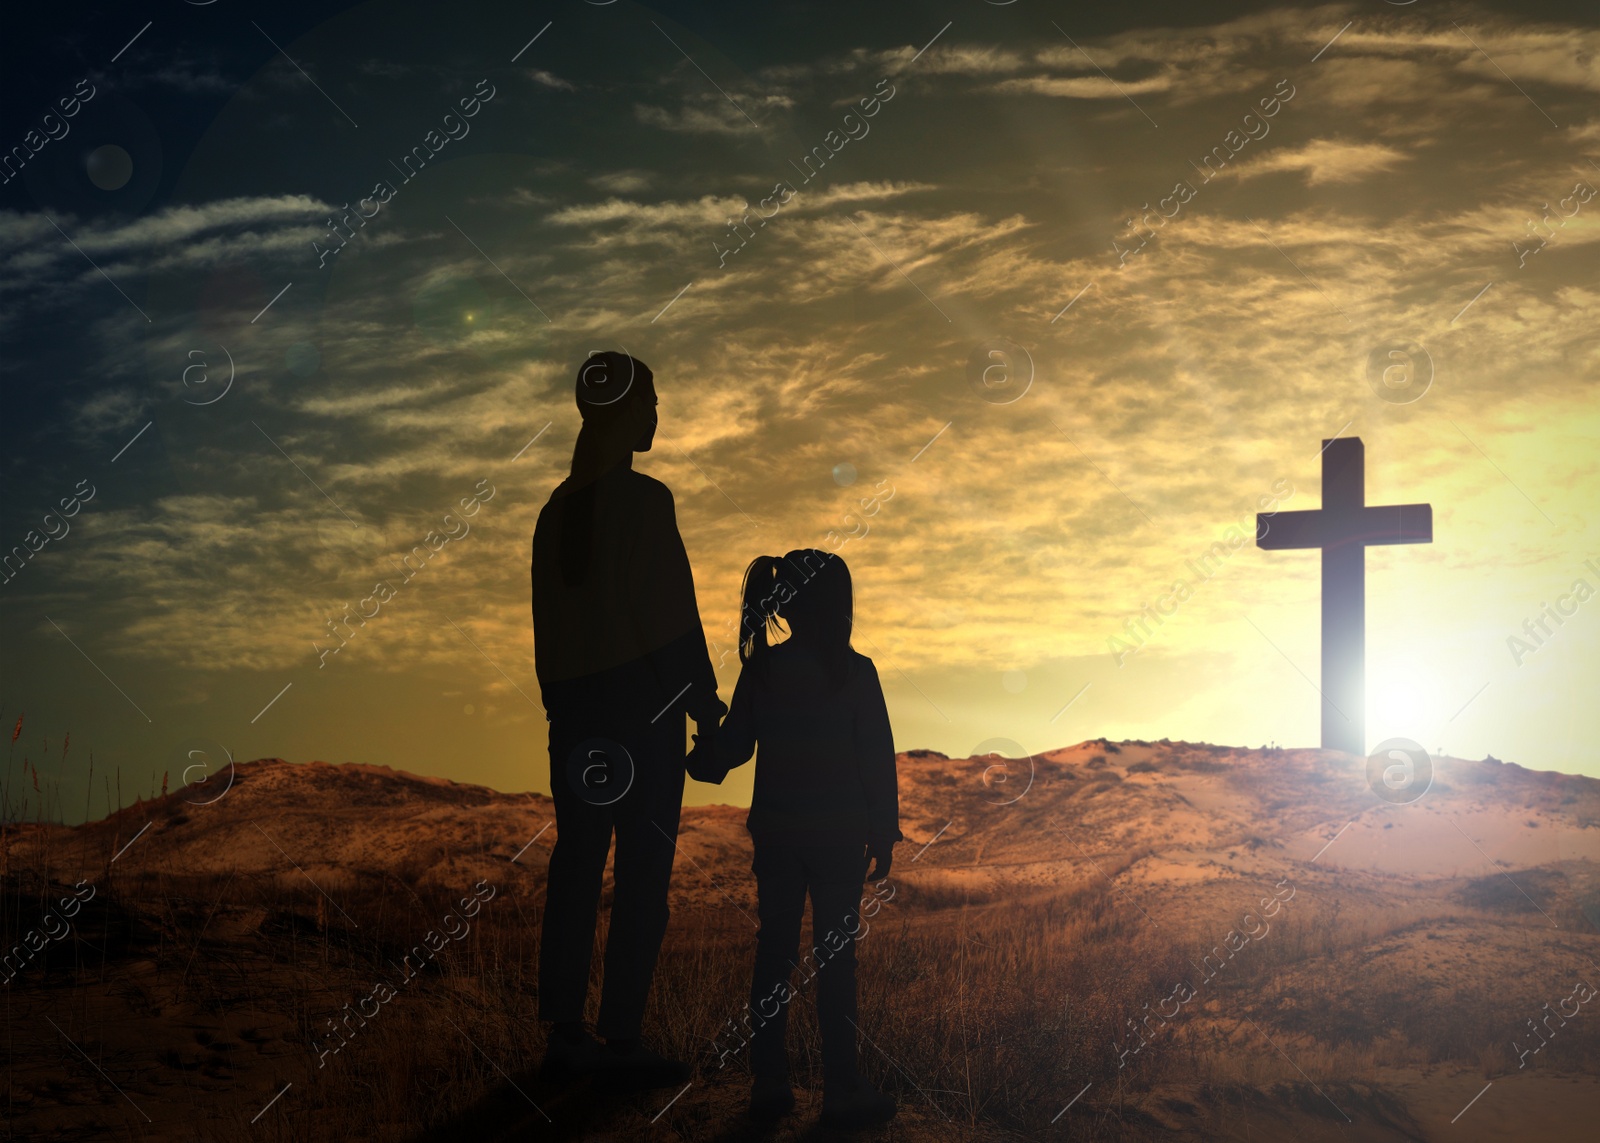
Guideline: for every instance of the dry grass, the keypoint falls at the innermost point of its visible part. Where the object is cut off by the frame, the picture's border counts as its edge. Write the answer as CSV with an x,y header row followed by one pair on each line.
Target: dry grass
x,y
981,1014
203,995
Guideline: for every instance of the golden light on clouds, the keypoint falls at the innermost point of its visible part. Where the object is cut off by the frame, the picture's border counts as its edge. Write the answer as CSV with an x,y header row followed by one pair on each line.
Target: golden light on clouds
x,y
999,549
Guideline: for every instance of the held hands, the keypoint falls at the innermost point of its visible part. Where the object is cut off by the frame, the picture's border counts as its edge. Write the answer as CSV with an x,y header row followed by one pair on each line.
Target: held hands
x,y
701,762
881,853
708,714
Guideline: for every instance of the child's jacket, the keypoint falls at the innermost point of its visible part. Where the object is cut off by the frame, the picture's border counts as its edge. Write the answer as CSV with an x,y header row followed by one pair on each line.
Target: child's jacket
x,y
826,771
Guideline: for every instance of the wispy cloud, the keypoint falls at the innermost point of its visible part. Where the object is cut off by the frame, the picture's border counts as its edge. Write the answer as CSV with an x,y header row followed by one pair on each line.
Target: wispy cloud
x,y
1174,392
1322,161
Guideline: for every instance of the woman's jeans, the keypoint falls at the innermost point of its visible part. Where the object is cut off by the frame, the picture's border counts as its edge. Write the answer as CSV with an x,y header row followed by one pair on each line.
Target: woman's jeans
x,y
640,802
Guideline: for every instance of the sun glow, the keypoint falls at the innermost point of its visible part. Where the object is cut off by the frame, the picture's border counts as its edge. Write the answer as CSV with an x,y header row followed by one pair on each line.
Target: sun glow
x,y
1405,699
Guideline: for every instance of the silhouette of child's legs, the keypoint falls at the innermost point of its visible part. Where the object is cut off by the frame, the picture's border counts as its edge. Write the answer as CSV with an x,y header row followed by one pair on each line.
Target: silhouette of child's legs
x,y
833,876
834,925
780,903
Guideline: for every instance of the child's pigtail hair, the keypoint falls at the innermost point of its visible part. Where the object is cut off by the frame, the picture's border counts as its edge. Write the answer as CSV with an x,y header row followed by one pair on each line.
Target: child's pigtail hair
x,y
759,611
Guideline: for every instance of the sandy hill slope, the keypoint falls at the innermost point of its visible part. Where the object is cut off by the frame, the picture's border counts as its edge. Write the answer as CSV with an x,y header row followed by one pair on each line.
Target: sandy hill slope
x,y
1159,813
1191,810
1393,959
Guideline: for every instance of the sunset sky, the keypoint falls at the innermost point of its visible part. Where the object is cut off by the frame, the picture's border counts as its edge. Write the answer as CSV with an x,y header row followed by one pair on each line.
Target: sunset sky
x,y
1400,185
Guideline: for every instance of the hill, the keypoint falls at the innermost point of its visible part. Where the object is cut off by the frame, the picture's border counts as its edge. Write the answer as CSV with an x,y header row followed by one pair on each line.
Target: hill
x,y
1350,960
1178,812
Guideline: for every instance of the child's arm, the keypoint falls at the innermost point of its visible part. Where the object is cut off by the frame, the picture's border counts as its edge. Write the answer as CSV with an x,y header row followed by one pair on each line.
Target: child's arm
x,y
875,743
734,741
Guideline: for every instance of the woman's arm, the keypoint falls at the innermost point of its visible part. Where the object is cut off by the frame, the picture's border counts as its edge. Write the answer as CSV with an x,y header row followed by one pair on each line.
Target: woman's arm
x,y
666,616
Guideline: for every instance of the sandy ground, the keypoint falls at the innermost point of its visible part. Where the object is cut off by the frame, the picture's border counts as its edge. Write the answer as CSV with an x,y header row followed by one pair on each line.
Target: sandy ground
x,y
181,1020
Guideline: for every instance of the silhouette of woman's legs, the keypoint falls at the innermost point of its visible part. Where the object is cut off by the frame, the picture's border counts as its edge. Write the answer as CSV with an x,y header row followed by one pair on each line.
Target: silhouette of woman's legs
x,y
647,834
781,902
577,863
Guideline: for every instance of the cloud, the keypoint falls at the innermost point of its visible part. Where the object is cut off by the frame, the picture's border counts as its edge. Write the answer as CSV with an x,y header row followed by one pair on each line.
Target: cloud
x,y
546,79
1322,161
170,227
185,74
1081,86
697,119
623,182
111,410
51,265
858,192
1548,54
707,208
1174,391
970,60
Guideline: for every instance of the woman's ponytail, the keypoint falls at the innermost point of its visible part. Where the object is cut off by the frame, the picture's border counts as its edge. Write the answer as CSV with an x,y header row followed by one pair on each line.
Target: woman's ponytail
x,y
616,398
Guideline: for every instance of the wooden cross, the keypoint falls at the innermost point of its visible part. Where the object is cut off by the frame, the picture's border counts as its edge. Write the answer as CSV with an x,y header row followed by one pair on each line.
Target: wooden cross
x,y
1343,528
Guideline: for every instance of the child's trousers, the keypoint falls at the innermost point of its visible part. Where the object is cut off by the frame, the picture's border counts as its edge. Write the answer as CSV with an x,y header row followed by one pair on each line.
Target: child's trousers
x,y
833,876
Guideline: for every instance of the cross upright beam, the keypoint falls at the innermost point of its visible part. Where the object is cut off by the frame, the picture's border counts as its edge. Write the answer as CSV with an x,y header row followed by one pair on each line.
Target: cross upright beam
x,y
1343,528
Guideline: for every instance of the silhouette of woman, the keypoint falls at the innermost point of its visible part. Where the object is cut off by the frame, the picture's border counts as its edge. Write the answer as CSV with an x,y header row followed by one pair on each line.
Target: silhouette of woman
x,y
825,804
621,659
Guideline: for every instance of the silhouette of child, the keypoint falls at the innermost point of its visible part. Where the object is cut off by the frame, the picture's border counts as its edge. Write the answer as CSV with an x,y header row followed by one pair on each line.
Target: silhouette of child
x,y
825,805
